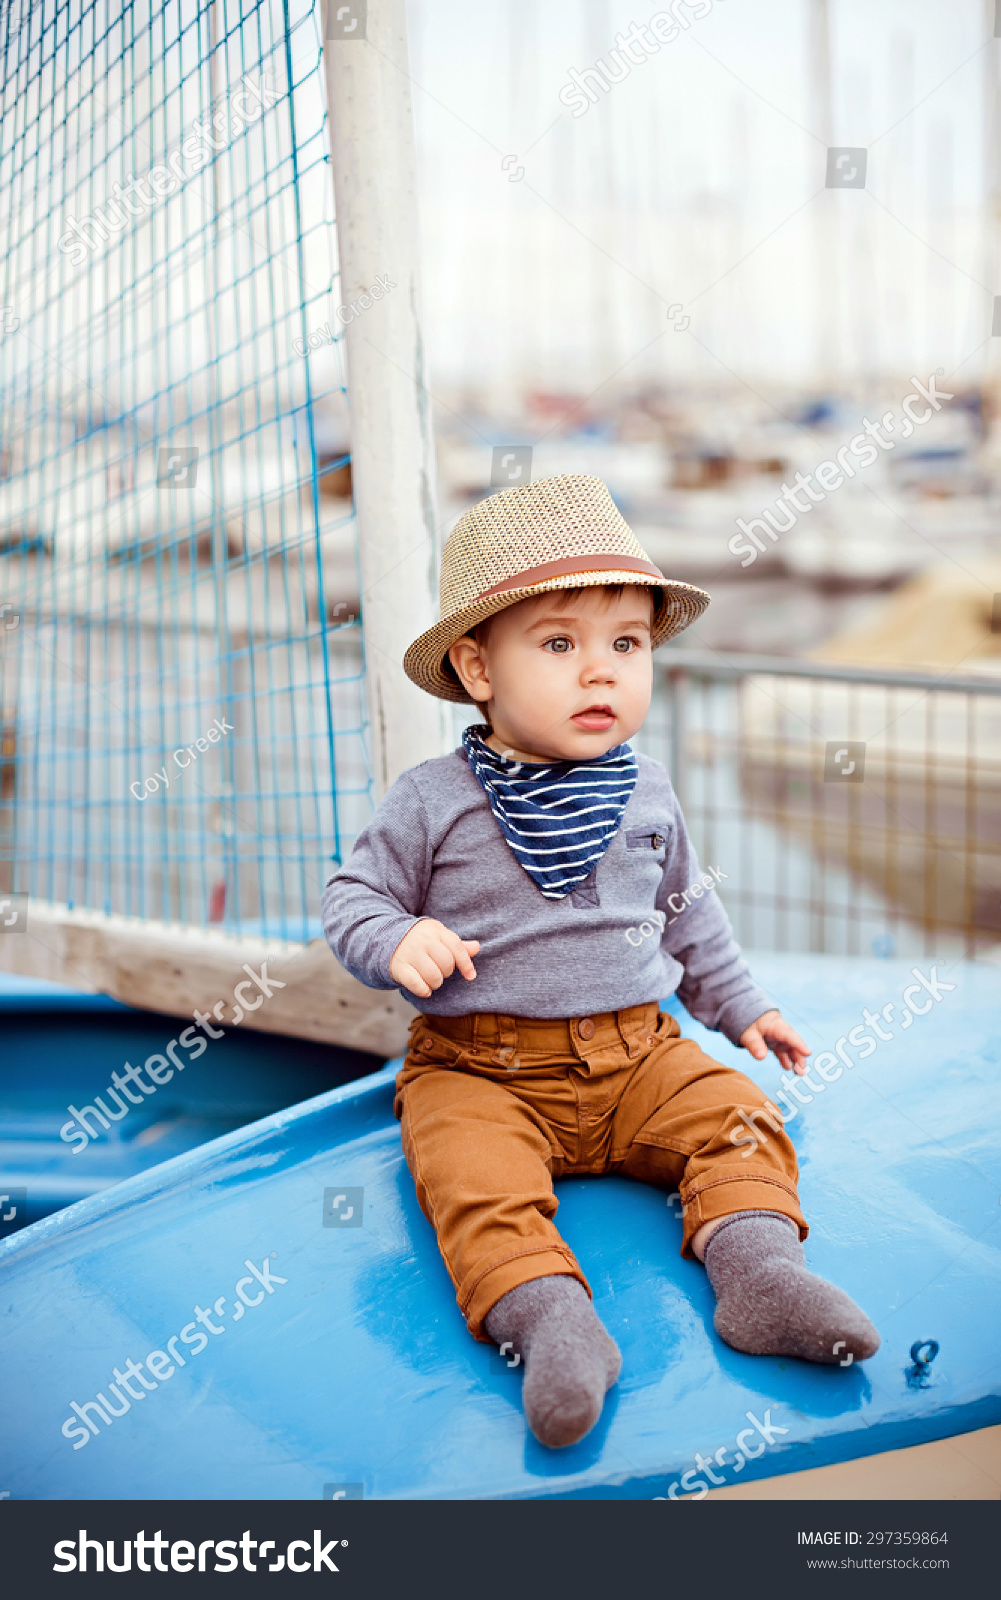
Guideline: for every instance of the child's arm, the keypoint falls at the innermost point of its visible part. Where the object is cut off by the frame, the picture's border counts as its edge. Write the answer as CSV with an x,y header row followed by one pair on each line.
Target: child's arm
x,y
717,987
371,908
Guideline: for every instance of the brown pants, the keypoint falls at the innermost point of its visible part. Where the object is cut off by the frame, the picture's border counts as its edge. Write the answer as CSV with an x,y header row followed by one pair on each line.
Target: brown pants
x,y
494,1108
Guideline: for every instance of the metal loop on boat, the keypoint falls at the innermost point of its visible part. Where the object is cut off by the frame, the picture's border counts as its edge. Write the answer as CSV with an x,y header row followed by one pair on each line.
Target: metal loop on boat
x,y
931,1345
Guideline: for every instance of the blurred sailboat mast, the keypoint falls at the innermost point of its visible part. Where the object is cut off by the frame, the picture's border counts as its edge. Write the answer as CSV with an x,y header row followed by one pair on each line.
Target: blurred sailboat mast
x,y
600,359
827,308
992,224
902,196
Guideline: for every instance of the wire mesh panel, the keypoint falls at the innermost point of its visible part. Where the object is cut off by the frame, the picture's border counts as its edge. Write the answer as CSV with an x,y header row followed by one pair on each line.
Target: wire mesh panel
x,y
182,671
846,810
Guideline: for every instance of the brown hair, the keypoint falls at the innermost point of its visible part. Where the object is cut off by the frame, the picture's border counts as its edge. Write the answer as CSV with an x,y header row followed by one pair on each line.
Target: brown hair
x,y
614,591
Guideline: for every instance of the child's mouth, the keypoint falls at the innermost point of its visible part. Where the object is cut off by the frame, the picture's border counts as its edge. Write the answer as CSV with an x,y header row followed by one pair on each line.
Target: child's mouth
x,y
597,719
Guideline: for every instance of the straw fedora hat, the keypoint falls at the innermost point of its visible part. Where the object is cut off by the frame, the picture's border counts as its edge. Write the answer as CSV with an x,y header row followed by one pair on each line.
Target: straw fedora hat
x,y
558,533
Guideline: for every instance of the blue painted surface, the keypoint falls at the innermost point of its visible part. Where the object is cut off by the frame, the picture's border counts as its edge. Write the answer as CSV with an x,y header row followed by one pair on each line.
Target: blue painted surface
x,y
60,1047
357,1369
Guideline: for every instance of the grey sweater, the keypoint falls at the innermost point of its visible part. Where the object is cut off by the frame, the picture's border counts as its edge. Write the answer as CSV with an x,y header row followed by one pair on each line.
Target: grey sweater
x,y
646,923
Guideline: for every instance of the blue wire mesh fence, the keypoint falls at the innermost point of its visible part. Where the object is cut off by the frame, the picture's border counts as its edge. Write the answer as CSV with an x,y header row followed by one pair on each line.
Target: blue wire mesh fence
x,y
181,665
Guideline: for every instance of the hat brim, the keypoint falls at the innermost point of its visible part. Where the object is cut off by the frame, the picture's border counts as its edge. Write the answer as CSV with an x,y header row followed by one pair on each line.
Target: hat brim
x,y
426,663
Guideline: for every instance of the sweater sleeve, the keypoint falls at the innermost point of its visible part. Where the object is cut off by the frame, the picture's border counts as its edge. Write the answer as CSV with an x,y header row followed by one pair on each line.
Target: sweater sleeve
x,y
717,987
378,894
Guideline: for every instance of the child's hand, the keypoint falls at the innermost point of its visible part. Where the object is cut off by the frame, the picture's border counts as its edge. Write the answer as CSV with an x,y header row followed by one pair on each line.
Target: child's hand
x,y
774,1032
429,954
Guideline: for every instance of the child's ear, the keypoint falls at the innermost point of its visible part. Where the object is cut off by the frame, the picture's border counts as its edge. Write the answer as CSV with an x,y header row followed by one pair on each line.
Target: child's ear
x,y
470,668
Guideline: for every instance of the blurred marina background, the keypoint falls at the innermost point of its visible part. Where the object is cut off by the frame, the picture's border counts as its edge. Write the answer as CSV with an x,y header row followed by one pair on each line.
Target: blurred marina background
x,y
662,289
288,285
694,192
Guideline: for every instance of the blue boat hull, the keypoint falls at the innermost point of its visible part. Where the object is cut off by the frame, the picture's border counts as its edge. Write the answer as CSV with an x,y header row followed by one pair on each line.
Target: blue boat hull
x,y
341,1366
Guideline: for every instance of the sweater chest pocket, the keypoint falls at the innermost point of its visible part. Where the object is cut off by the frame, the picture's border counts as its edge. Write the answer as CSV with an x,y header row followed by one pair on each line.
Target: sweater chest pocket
x,y
652,839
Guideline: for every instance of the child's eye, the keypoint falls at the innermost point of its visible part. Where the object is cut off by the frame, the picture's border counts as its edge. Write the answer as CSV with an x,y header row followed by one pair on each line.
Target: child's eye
x,y
559,647
625,645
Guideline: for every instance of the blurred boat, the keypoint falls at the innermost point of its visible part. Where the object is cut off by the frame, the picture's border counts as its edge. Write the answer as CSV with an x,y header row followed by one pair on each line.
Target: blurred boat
x,y
61,1046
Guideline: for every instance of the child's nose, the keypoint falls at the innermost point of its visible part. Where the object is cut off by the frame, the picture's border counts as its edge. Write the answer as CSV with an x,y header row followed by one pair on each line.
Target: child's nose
x,y
600,669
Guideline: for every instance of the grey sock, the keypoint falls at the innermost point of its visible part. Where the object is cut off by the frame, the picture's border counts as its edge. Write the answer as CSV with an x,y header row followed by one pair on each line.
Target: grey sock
x,y
570,1358
768,1303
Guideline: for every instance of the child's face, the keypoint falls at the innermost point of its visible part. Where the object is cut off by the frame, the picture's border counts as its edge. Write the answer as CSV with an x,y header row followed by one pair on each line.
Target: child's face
x,y
563,677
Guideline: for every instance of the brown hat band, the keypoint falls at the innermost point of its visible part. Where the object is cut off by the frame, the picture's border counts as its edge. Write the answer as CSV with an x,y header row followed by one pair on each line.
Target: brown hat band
x,y
566,568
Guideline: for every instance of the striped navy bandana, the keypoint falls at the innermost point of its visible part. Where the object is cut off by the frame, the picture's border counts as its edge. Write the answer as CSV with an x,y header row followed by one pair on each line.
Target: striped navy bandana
x,y
559,817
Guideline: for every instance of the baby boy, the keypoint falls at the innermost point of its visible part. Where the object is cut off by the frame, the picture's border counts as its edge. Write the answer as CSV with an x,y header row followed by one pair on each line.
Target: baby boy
x,y
502,887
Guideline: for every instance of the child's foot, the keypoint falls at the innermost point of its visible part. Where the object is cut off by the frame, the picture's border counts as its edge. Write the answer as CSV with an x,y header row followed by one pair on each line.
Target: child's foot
x,y
570,1358
769,1304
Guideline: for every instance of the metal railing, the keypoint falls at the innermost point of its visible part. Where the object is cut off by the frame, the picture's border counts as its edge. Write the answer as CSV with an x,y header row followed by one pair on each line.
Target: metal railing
x,y
853,810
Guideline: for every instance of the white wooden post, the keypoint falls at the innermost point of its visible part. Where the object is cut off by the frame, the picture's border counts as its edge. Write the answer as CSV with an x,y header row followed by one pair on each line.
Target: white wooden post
x,y
392,446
